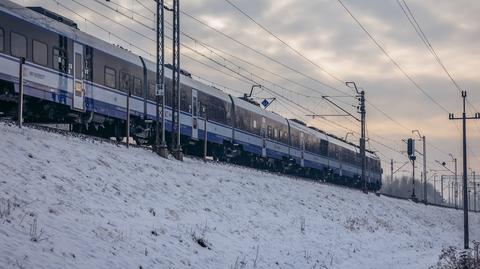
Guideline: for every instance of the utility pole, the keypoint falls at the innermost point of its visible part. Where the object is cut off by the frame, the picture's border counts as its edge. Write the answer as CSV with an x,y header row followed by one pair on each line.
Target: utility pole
x,y
361,109
474,193
441,188
176,124
449,194
465,176
360,95
424,142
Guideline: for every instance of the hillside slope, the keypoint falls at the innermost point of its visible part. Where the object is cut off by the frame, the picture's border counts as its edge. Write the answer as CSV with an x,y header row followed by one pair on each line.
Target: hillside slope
x,y
67,202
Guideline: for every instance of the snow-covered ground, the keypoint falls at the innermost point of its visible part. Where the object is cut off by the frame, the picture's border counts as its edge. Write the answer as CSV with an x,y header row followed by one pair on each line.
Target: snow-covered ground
x,y
78,203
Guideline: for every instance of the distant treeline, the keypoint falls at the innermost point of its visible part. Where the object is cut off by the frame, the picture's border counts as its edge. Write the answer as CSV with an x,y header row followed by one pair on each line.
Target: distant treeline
x,y
402,187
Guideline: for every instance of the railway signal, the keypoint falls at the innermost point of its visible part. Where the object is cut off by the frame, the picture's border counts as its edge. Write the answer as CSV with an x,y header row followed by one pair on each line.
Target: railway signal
x,y
412,157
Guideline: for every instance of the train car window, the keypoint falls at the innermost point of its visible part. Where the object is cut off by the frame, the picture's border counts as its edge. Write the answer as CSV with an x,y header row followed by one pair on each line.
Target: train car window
x,y
137,87
110,77
324,147
2,39
88,63
195,110
217,111
59,60
184,102
124,82
18,45
78,66
269,132
254,124
40,53
151,91
168,92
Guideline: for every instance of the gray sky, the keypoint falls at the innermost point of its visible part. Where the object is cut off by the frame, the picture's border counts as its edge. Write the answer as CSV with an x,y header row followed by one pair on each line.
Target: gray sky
x,y
328,36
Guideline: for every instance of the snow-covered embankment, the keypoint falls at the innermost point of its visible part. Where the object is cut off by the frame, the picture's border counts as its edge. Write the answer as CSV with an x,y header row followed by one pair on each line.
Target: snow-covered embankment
x,y
66,202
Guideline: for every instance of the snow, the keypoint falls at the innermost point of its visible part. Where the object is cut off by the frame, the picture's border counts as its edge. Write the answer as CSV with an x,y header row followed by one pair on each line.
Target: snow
x,y
99,205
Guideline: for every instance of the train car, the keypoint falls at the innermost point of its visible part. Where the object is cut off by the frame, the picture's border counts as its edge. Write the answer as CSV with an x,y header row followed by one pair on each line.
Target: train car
x,y
75,78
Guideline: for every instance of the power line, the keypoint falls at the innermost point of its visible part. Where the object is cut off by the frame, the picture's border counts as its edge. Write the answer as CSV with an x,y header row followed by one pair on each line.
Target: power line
x,y
418,29
391,59
263,54
231,70
397,65
284,43
304,57
207,47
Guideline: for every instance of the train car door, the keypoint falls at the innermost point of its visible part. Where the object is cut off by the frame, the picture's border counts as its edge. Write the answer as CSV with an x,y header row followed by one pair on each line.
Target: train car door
x,y
195,114
302,145
78,86
264,137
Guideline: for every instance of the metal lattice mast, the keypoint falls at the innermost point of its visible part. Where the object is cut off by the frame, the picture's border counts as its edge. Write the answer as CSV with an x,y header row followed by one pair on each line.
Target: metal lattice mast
x,y
160,80
176,81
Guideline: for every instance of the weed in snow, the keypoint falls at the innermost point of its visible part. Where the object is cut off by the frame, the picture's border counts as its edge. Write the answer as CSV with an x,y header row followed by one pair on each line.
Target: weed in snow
x,y
35,235
5,208
239,263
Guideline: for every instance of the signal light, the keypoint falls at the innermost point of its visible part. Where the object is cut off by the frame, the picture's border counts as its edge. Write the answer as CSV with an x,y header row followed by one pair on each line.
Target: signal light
x,y
411,147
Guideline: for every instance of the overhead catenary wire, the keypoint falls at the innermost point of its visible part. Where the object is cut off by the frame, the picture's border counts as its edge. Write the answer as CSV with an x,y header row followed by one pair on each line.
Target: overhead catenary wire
x,y
417,86
208,47
290,99
383,50
374,106
418,29
285,43
139,48
277,62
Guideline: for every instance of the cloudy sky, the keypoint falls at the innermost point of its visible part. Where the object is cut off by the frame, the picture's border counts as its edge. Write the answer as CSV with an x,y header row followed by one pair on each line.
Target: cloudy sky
x,y
323,32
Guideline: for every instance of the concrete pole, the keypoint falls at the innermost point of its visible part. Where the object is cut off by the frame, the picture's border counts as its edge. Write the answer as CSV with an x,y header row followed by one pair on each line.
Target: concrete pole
x,y
128,118
424,168
205,145
456,184
20,93
465,175
474,193
441,188
391,171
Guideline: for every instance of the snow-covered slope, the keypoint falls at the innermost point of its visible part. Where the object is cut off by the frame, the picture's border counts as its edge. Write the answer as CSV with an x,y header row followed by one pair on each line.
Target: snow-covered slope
x,y
67,202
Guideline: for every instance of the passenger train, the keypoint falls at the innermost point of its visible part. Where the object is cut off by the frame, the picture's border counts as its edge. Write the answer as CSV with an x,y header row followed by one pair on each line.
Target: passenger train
x,y
72,77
